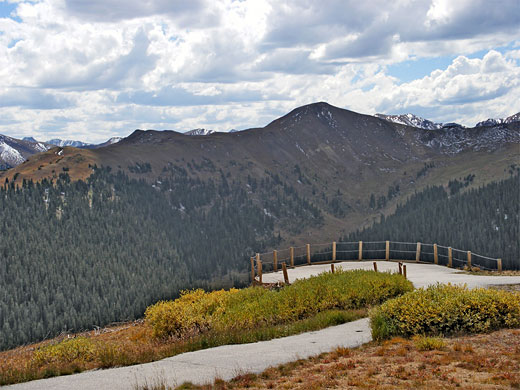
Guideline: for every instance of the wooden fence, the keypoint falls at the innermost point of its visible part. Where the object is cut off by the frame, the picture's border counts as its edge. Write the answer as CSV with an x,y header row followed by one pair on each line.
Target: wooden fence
x,y
373,250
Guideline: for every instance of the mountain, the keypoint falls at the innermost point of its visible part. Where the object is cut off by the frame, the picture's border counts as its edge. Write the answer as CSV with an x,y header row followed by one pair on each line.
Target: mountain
x,y
495,122
332,157
411,120
83,145
200,132
68,142
15,151
125,225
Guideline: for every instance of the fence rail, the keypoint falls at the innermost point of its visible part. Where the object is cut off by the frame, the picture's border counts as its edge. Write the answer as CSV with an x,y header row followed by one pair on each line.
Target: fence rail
x,y
369,250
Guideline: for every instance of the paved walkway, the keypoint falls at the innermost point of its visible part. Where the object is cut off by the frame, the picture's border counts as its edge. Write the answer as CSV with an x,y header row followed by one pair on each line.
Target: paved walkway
x,y
421,275
228,361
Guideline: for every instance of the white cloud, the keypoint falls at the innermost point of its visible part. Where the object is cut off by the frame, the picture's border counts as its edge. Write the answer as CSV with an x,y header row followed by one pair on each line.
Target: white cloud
x,y
86,69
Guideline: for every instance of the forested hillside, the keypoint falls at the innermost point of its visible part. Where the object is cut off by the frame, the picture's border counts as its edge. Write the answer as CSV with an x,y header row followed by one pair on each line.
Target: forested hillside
x,y
79,254
485,220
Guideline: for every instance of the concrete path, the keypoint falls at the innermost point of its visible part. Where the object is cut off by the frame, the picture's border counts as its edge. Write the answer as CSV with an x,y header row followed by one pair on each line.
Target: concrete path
x,y
204,366
229,361
421,275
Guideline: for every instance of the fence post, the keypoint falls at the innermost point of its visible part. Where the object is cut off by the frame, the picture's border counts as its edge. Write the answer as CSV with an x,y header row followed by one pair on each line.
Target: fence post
x,y
292,256
400,268
499,265
418,252
469,259
308,253
360,250
334,251
450,258
332,268
404,271
252,269
387,251
375,266
275,260
285,275
435,254
259,267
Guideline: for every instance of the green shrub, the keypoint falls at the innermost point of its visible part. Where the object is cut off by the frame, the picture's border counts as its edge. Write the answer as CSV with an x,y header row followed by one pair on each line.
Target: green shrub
x,y
198,311
444,310
425,343
79,348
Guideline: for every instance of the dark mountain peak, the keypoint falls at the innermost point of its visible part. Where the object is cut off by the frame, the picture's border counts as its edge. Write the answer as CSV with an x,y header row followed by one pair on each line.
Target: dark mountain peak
x,y
315,109
315,114
148,136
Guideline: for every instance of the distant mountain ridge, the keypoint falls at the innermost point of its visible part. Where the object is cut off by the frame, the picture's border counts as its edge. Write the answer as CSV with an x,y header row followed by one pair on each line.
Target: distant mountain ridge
x,y
411,120
82,145
421,123
200,132
14,152
308,128
499,121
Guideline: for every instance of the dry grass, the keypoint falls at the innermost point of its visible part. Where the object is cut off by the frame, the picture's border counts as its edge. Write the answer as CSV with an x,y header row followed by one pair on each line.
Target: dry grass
x,y
488,361
478,271
506,287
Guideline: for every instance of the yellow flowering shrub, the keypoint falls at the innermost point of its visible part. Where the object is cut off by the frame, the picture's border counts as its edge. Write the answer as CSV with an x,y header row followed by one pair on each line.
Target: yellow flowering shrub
x,y
76,349
191,312
444,310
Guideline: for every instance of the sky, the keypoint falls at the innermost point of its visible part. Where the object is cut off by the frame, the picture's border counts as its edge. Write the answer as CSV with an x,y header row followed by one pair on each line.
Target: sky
x,y
91,69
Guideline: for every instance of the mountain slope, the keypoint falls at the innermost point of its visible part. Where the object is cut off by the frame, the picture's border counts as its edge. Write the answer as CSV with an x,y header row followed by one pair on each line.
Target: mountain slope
x,y
332,157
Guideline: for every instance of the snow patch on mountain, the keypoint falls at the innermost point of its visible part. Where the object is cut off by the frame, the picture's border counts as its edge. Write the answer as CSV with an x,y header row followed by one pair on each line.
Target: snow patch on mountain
x,y
114,140
62,143
499,121
10,155
199,132
453,140
411,120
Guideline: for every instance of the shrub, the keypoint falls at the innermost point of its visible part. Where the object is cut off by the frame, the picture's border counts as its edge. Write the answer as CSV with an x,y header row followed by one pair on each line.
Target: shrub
x,y
198,311
444,310
191,312
425,343
76,349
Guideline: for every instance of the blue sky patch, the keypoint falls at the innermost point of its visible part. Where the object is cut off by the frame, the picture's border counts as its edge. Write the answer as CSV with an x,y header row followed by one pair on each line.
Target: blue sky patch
x,y
410,70
6,9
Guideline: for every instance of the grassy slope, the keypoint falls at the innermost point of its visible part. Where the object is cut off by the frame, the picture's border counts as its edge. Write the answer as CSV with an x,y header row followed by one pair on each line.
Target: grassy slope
x,y
487,361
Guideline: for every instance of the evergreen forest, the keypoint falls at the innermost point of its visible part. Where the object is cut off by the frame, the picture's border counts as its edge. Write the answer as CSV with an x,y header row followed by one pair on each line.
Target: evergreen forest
x,y
76,255
485,220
